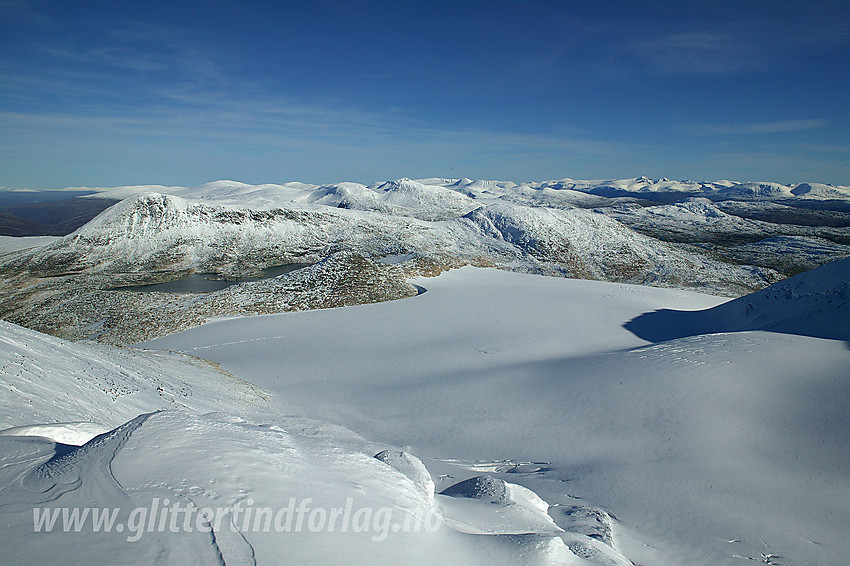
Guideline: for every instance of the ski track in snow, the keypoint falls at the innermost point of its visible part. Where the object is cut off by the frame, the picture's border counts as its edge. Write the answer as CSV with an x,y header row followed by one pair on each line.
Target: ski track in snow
x,y
63,470
235,342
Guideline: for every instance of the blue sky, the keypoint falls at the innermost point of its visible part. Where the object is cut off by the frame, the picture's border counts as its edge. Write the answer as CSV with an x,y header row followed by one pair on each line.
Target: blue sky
x,y
108,93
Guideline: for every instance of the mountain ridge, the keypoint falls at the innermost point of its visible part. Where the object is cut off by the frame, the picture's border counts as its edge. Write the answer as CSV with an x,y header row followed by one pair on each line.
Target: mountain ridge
x,y
558,228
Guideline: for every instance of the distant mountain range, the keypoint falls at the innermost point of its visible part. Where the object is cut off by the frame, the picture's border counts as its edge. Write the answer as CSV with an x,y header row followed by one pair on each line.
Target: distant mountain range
x,y
58,213
722,238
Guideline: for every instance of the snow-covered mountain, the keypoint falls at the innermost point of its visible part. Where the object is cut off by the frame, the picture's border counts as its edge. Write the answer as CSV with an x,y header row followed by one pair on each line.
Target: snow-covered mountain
x,y
478,188
156,231
691,236
819,190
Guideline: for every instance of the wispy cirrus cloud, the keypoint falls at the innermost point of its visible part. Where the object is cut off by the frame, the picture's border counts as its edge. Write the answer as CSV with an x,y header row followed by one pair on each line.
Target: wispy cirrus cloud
x,y
744,128
742,39
127,56
22,10
700,53
122,57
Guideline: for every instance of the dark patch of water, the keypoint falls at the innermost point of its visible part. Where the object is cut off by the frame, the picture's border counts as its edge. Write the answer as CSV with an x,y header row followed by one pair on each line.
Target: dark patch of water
x,y
208,282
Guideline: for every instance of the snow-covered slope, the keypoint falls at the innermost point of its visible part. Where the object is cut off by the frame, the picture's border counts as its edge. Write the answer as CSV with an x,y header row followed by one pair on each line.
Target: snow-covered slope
x,y
182,463
592,246
10,244
50,380
708,449
814,303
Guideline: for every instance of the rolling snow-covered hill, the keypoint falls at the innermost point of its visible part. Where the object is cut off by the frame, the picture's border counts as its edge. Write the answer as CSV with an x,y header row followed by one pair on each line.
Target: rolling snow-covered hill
x,y
814,303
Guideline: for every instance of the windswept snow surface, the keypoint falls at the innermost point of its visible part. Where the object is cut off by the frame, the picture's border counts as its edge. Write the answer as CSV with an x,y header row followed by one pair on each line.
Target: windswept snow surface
x,y
51,386
708,449
146,440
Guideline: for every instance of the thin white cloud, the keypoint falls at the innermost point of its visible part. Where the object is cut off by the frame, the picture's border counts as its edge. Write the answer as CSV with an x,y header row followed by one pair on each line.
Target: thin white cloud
x,y
22,10
112,56
776,127
823,148
144,48
700,53
744,40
